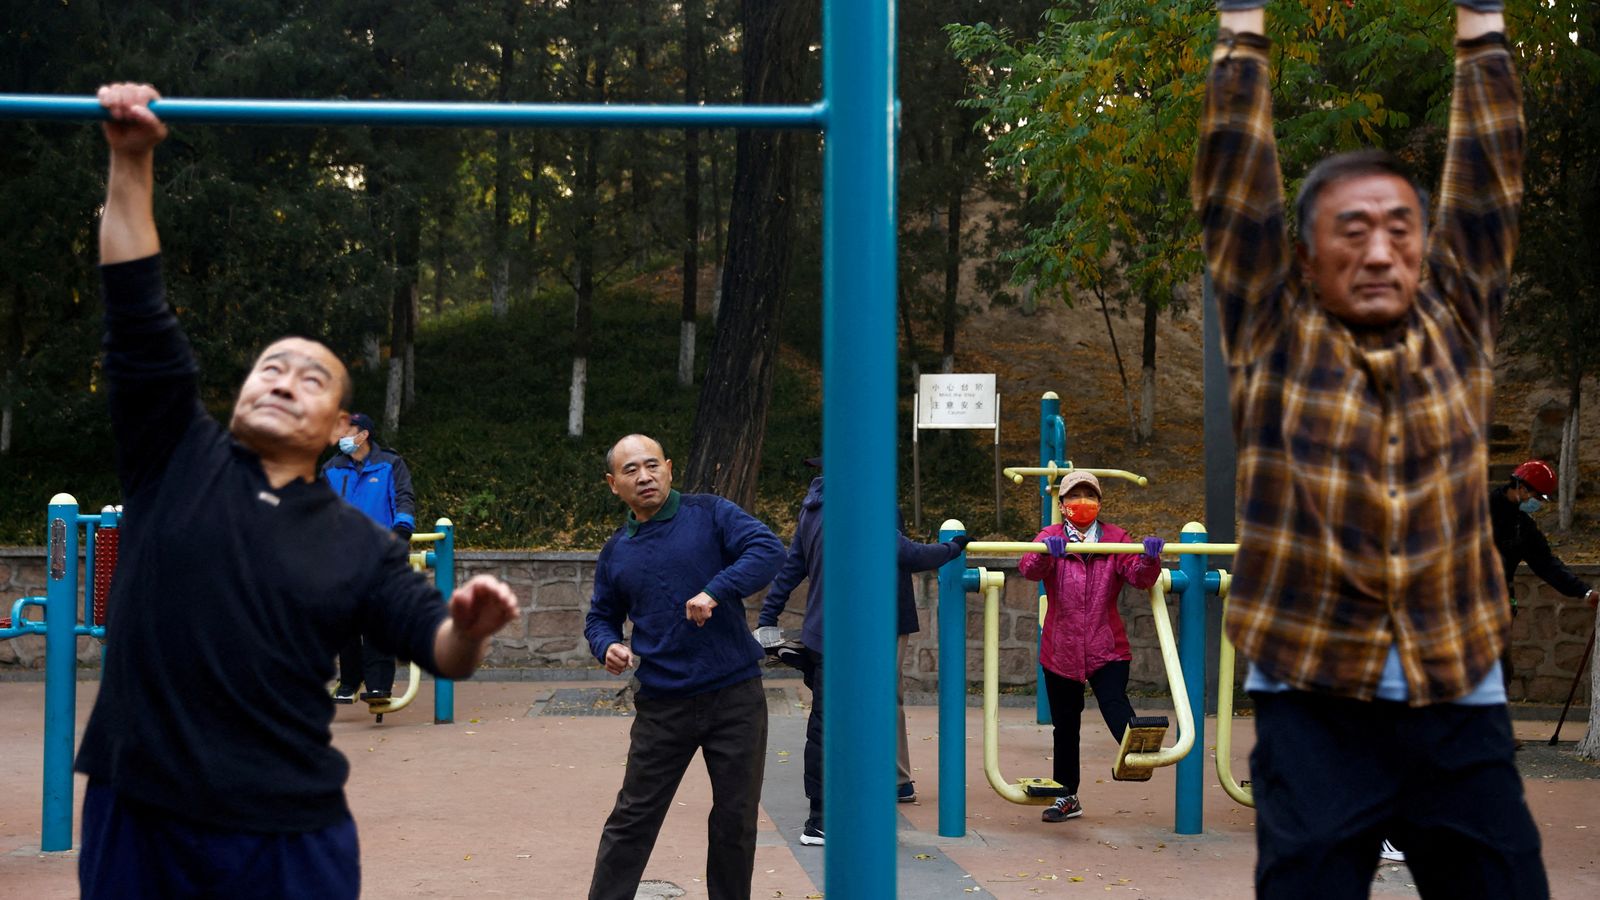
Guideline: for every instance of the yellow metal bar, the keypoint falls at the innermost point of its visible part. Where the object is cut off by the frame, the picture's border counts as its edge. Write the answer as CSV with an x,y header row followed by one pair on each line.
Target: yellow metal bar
x,y
427,537
991,583
395,704
1166,756
1053,472
1230,786
1001,548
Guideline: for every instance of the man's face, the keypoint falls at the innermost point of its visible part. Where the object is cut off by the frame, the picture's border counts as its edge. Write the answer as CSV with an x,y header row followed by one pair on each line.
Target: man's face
x,y
1366,256
291,400
640,475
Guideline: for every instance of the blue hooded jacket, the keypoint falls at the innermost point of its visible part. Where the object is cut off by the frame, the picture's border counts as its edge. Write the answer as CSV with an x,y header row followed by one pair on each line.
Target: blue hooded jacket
x,y
380,486
805,562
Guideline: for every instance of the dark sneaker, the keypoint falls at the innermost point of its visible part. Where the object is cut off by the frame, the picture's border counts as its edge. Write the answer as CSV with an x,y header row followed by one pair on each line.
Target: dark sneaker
x,y
1063,809
908,792
811,836
374,696
344,695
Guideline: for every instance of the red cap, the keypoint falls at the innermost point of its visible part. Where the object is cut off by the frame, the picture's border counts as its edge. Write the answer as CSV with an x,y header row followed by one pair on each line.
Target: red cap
x,y
1538,476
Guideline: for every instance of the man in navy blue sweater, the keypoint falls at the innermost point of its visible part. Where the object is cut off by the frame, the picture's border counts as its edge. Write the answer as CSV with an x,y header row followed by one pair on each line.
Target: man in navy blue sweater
x,y
680,569
805,562
209,754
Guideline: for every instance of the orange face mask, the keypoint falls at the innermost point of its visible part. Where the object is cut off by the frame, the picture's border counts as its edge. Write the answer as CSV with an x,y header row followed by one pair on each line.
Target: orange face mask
x,y
1082,511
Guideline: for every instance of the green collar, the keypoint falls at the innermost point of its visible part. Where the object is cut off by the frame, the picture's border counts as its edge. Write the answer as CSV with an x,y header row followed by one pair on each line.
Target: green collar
x,y
667,511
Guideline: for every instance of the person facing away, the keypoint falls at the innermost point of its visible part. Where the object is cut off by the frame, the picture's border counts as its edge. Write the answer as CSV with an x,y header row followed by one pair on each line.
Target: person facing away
x,y
805,562
1518,540
679,569
376,481
1083,640
1366,594
209,754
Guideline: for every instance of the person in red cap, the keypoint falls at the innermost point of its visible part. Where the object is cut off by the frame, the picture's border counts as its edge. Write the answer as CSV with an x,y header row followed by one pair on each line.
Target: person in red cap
x,y
1518,539
1084,640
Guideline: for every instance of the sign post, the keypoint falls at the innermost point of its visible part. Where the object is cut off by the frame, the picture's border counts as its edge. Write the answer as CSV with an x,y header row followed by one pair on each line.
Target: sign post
x,y
958,402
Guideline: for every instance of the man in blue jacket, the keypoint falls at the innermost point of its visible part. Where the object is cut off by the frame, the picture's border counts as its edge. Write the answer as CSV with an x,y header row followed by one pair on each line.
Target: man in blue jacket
x,y
805,562
680,569
377,482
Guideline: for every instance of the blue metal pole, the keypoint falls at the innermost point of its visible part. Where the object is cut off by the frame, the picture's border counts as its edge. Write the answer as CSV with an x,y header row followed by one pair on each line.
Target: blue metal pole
x,y
1190,799
417,113
444,577
1050,451
952,690
61,671
858,438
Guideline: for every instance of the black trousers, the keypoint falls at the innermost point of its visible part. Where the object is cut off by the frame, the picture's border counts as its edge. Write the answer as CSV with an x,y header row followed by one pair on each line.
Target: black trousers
x,y
1110,683
729,728
813,772
1333,777
375,668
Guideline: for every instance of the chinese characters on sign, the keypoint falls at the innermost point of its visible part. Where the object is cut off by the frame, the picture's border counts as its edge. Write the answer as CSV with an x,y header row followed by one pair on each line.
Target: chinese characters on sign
x,y
956,401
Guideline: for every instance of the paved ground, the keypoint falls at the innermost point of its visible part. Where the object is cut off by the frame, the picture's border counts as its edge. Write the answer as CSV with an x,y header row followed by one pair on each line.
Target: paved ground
x,y
509,802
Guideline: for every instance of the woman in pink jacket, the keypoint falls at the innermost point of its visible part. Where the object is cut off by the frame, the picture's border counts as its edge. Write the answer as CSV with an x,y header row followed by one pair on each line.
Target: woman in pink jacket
x,y
1084,640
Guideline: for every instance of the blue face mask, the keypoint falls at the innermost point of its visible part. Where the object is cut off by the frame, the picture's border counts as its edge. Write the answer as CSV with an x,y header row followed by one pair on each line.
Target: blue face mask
x,y
1530,505
347,444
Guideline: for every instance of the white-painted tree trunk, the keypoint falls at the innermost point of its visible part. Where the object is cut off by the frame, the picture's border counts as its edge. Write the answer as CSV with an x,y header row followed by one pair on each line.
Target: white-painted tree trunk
x,y
580,383
6,414
371,351
1567,481
716,294
1029,304
948,365
686,354
1589,747
391,397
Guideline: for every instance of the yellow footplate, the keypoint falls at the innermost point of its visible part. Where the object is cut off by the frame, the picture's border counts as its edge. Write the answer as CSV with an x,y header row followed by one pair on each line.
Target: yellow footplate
x,y
1041,787
1144,735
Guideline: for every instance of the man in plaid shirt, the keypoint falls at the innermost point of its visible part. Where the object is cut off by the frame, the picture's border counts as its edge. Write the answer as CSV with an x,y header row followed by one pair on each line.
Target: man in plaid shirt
x,y
1367,596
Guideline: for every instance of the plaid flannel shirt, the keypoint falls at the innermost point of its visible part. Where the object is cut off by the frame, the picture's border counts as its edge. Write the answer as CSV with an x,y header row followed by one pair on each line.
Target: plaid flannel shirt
x,y
1363,470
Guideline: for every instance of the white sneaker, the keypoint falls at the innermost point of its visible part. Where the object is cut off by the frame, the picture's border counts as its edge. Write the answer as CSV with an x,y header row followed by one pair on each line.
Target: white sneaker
x,y
1390,853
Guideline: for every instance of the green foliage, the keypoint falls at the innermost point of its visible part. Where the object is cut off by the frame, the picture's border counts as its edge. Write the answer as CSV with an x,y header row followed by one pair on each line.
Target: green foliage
x,y
1097,115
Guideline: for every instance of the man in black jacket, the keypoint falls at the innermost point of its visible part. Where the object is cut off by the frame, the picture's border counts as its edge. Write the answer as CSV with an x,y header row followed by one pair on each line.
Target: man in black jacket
x,y
211,765
1518,538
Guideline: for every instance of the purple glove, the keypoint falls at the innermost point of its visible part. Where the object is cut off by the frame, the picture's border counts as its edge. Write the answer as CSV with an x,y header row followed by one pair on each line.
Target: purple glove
x,y
1056,544
1152,547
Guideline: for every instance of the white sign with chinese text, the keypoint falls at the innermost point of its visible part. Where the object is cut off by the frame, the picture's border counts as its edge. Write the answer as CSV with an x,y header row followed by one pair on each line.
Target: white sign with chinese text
x,y
957,401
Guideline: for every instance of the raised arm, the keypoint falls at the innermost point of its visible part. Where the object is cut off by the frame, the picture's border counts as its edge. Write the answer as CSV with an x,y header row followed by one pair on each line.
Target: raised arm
x,y
128,227
1238,188
1476,226
150,371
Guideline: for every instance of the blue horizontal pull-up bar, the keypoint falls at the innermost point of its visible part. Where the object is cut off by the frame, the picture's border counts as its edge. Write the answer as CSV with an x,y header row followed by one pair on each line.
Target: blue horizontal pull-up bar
x,y
421,113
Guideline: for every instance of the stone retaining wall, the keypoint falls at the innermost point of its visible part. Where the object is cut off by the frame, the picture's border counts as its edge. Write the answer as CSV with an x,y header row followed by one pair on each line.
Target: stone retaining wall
x,y
1548,637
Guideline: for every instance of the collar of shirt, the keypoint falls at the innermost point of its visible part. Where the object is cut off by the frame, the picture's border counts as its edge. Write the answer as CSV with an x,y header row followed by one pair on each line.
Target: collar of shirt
x,y
667,511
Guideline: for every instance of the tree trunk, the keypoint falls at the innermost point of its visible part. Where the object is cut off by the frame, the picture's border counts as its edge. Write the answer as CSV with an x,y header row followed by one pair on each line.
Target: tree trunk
x,y
731,419
402,314
1567,480
500,266
372,352
912,353
441,259
692,16
952,264
13,362
1147,382
1122,373
1589,747
583,314
717,248
536,167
